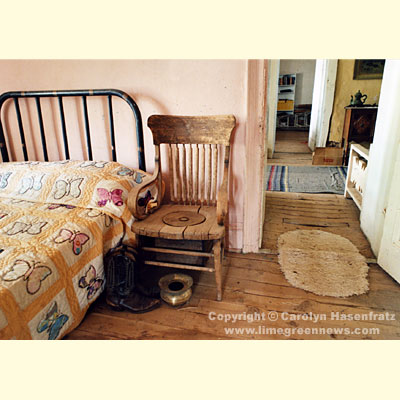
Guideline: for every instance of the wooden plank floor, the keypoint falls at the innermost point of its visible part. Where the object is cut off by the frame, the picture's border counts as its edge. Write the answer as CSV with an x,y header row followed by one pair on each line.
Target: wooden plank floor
x,y
253,283
327,212
291,149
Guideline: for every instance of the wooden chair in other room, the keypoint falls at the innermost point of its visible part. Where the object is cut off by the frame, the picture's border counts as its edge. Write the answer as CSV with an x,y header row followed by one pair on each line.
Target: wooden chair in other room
x,y
192,227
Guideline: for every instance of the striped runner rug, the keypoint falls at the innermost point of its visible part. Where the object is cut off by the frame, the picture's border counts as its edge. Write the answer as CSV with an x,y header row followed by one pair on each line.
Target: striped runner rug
x,y
300,179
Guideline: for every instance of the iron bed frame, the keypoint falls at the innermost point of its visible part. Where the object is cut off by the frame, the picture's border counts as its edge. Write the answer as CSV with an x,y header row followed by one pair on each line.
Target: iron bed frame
x,y
60,94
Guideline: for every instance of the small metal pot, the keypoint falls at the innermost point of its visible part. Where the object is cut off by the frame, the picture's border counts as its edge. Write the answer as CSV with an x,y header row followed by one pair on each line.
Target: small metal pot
x,y
176,289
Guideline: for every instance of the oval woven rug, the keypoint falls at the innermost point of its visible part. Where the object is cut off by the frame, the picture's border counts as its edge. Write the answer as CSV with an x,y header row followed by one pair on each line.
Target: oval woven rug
x,y
323,263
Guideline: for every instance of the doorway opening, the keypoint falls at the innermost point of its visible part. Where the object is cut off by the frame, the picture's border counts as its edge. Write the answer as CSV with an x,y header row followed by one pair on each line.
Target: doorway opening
x,y
295,95
337,121
304,101
297,193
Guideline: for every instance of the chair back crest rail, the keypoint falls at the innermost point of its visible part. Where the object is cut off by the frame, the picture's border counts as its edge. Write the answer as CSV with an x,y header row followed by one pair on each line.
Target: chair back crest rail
x,y
194,146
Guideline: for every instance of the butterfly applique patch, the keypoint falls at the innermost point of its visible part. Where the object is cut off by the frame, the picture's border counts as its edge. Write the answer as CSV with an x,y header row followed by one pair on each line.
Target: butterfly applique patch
x,y
34,274
31,183
4,179
22,227
137,176
78,239
95,164
106,196
90,282
52,322
96,213
69,187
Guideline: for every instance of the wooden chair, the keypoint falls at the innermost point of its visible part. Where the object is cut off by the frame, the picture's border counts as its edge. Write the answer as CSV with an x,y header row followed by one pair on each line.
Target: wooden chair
x,y
198,206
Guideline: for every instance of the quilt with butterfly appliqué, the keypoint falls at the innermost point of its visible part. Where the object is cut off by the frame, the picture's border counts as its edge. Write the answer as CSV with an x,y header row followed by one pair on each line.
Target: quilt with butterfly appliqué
x,y
57,220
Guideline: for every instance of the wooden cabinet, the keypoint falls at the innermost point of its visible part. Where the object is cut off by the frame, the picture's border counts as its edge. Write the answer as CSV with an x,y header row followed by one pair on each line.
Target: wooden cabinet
x,y
359,127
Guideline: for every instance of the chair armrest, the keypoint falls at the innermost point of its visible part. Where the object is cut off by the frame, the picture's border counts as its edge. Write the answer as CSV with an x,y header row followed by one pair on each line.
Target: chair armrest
x,y
222,203
150,201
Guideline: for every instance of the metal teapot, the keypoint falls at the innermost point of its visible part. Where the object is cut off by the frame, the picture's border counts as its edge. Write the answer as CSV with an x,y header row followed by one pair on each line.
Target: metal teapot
x,y
358,99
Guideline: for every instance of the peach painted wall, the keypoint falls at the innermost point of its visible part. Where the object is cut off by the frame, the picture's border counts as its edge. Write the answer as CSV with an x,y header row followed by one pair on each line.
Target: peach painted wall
x,y
182,87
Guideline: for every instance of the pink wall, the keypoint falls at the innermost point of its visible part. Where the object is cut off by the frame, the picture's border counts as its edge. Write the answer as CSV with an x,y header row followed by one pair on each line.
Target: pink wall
x,y
181,87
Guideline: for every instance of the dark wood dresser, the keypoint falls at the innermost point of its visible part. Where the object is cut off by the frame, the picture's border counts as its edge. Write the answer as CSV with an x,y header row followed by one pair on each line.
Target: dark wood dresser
x,y
359,126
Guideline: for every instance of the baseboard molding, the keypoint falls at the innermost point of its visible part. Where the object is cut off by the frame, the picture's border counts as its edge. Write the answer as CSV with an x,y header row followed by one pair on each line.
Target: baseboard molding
x,y
234,237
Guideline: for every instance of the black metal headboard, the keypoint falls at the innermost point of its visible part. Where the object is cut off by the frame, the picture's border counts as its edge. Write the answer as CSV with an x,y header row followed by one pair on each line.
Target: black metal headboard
x,y
71,93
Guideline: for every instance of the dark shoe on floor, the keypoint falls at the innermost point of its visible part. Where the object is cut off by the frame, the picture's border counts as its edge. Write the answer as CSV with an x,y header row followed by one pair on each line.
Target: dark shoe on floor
x,y
135,303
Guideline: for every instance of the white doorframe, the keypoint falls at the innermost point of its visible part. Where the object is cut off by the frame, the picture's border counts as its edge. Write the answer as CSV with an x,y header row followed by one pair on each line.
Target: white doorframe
x,y
272,105
389,250
382,157
322,102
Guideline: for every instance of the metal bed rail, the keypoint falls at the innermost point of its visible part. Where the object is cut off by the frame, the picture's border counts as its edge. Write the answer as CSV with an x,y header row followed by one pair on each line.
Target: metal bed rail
x,y
60,94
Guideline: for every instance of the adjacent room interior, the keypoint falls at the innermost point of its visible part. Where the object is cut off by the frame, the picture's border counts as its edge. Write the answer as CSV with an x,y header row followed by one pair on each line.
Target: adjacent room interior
x,y
322,188
320,173
295,90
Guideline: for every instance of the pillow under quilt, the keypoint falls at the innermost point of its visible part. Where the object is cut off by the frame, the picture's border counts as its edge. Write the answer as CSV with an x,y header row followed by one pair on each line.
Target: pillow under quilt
x,y
97,185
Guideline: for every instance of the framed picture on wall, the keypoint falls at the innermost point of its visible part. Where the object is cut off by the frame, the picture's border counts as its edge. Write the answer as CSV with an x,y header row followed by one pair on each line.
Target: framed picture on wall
x,y
368,69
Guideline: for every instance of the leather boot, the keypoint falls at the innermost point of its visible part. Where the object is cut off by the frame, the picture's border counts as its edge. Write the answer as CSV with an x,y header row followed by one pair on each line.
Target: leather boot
x,y
134,302
121,293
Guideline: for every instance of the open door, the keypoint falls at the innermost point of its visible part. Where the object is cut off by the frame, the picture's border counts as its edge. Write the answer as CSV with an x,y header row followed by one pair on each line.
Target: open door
x,y
272,100
389,252
322,102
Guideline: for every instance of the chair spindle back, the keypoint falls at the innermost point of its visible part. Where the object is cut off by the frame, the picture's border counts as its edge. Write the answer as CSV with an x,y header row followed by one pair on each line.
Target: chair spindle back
x,y
194,147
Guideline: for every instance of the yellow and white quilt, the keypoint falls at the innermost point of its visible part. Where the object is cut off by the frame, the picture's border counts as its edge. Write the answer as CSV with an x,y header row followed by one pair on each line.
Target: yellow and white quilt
x,y
57,220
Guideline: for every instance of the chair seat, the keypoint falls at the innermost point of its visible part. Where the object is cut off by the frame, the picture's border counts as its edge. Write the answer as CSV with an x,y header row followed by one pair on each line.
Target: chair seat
x,y
154,226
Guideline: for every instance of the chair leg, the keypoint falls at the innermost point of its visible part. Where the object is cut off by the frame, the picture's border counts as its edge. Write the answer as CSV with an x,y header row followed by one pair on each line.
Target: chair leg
x,y
218,267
